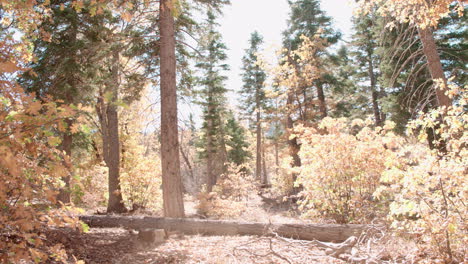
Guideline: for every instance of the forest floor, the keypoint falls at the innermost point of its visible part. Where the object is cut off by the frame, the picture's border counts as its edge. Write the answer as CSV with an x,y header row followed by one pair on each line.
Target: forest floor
x,y
120,246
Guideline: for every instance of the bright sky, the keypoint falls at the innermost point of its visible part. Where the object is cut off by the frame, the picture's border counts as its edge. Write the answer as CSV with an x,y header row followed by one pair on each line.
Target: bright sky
x,y
269,18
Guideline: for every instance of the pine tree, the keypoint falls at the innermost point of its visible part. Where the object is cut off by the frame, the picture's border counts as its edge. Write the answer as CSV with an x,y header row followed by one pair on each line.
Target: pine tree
x,y
213,101
236,141
351,99
309,30
253,95
365,44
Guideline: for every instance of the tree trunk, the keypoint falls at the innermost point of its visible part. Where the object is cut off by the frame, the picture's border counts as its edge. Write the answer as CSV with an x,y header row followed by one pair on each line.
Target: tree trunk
x,y
294,146
258,161
434,64
115,204
375,93
276,157
171,179
66,146
321,232
210,157
264,169
321,97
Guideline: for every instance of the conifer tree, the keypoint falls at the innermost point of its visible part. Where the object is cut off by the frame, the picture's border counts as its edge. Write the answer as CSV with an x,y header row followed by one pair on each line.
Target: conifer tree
x,y
365,44
59,54
213,101
236,142
253,95
307,22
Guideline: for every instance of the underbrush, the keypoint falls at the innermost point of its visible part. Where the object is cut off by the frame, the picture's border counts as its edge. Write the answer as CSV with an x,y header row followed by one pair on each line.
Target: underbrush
x,y
229,196
354,173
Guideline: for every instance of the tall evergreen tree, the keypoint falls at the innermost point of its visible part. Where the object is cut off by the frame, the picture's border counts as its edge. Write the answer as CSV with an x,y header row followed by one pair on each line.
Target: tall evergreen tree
x,y
82,63
364,50
60,53
253,95
236,141
309,21
213,100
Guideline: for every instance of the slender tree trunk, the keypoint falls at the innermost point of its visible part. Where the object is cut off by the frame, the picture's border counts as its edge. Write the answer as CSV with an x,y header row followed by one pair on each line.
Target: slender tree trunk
x,y
115,204
434,64
276,157
258,161
186,160
321,97
294,146
375,93
437,72
67,140
210,146
66,146
264,169
171,179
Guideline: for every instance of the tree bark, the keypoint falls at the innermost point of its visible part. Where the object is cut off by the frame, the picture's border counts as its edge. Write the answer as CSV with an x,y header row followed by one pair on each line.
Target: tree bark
x,y
171,179
258,161
375,93
434,65
294,146
321,232
112,156
210,157
66,146
321,97
276,157
264,169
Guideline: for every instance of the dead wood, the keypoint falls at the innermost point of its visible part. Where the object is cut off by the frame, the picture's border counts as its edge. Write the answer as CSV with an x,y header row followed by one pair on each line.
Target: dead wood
x,y
319,232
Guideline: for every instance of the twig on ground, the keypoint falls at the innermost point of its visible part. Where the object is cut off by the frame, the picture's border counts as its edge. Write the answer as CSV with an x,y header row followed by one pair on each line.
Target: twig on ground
x,y
271,250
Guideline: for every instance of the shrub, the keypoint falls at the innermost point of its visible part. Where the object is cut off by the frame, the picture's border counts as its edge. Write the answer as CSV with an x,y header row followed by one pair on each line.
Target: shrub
x,y
229,194
31,168
432,189
340,171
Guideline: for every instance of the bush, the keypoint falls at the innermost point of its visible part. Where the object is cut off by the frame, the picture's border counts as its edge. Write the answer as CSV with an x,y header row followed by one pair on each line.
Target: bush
x,y
340,171
229,194
31,168
432,187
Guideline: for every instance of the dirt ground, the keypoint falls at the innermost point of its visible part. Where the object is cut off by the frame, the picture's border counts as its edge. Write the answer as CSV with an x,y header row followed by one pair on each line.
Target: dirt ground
x,y
120,246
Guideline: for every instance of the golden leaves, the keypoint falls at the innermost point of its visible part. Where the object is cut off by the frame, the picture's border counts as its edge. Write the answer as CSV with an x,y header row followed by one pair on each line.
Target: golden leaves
x,y
126,16
34,108
419,12
9,67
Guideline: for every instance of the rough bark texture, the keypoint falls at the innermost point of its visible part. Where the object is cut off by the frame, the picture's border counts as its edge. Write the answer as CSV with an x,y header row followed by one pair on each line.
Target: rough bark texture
x,y
210,144
321,97
258,161
294,146
434,64
113,162
108,116
171,179
264,169
277,157
321,232
375,94
66,146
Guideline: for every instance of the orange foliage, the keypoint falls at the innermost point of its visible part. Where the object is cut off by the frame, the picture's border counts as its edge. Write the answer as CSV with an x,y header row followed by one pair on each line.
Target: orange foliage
x,y
31,169
423,13
431,187
230,194
340,170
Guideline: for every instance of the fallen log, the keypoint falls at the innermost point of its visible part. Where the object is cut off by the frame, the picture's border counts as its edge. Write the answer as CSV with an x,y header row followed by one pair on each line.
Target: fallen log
x,y
320,232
